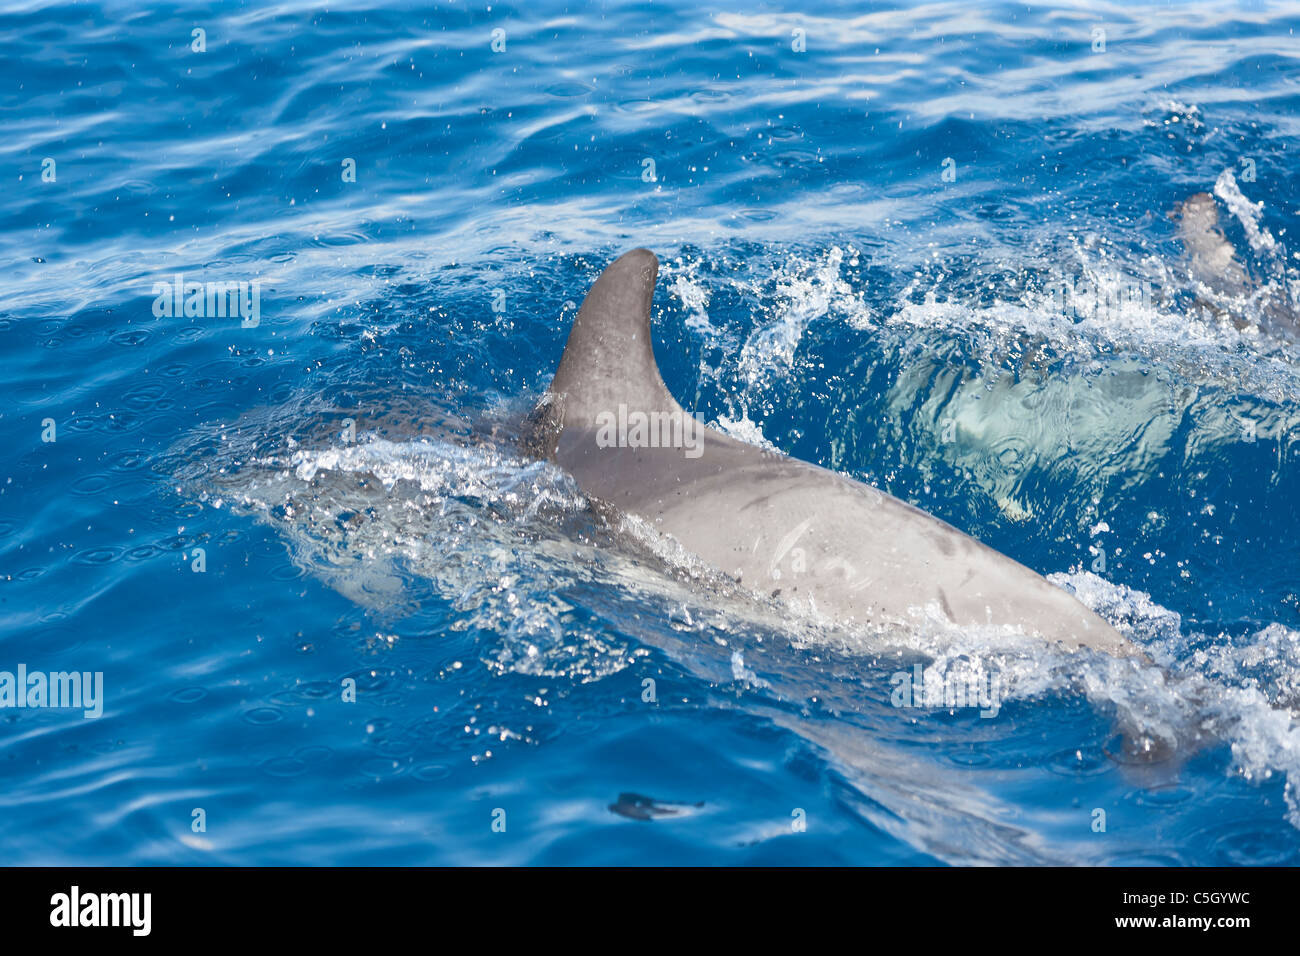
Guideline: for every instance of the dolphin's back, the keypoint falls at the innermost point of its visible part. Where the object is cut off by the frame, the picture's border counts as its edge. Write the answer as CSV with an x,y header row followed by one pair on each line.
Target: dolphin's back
x,y
778,525
1211,258
1212,262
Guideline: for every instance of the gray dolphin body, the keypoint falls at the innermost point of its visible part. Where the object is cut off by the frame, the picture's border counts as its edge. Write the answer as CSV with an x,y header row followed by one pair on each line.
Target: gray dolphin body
x,y
1211,258
1212,261
780,526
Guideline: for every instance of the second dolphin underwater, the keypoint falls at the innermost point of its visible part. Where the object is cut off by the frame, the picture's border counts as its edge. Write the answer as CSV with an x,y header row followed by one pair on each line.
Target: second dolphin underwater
x,y
866,559
1213,263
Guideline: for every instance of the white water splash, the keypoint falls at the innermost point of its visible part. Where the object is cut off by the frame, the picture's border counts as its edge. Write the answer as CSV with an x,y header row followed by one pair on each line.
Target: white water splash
x,y
1247,213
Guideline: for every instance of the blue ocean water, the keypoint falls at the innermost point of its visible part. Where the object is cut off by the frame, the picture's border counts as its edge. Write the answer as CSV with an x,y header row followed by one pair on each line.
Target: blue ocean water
x,y
929,247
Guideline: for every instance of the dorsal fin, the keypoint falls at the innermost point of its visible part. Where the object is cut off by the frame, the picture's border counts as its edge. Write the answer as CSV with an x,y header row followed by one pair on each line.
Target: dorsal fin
x,y
609,359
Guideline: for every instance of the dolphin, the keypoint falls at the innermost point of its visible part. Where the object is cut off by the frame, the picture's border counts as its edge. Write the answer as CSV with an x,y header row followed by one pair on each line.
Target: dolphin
x,y
813,539
1211,258
1211,261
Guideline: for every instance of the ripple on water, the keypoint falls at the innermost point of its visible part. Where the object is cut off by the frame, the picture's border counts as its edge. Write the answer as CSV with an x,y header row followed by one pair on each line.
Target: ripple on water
x,y
314,753
1080,762
97,556
131,338
638,107
287,766
287,572
130,460
972,757
568,90
711,97
795,159
395,747
1139,750
431,771
262,715
91,485
316,690
144,396
341,239
138,187
1166,795
29,394
1249,843
188,695
377,768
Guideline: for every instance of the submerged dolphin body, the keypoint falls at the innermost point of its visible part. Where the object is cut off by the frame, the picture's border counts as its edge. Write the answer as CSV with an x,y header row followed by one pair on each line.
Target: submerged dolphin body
x,y
786,528
1213,263
1211,258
